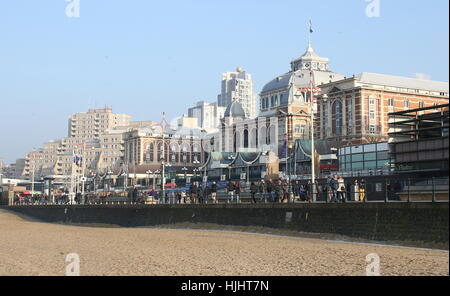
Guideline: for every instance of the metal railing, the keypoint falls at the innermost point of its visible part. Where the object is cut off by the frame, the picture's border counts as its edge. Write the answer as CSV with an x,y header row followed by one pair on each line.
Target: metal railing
x,y
373,190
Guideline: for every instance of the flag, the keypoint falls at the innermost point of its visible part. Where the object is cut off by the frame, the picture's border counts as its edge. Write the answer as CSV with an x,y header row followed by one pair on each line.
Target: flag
x,y
284,150
310,27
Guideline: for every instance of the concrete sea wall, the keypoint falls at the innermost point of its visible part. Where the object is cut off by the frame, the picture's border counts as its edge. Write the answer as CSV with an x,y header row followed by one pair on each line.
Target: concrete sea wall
x,y
424,224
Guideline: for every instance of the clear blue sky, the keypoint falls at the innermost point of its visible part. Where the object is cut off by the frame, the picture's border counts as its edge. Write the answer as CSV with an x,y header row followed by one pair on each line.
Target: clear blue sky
x,y
144,57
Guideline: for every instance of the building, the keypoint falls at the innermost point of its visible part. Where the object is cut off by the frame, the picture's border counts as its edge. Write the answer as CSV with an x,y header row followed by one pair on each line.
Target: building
x,y
419,141
187,122
95,122
238,86
145,147
287,96
208,115
355,110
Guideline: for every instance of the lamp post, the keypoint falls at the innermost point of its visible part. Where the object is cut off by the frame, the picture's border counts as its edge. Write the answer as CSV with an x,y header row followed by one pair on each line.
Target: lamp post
x,y
154,178
149,174
185,169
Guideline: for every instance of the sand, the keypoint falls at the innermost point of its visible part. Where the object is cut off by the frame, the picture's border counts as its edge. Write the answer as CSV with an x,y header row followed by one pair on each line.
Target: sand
x,y
32,248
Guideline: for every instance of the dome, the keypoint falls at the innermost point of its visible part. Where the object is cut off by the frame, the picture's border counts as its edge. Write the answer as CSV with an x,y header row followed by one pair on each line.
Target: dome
x,y
235,110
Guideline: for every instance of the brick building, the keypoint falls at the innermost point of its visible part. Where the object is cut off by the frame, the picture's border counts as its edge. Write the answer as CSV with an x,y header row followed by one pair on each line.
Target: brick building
x,y
355,110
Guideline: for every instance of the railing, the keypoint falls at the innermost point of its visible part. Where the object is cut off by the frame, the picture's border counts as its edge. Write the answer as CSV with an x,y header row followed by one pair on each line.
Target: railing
x,y
374,190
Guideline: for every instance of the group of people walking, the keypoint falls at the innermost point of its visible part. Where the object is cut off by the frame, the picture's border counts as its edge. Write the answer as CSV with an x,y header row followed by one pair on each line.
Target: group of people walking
x,y
337,190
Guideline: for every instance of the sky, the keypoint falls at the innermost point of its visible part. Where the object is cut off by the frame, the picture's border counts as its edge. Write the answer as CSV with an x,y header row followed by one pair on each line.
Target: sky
x,y
144,57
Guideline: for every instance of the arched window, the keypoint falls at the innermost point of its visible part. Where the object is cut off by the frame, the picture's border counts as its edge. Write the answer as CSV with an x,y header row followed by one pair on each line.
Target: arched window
x,y
185,153
148,156
246,140
262,136
254,138
271,135
174,151
337,117
196,153
237,141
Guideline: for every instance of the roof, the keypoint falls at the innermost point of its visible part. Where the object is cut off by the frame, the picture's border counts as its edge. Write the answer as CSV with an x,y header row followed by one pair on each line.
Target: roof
x,y
235,110
402,82
301,78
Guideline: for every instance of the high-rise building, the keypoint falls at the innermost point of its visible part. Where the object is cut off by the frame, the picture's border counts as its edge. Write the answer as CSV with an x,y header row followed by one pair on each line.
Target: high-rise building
x,y
92,124
208,114
238,86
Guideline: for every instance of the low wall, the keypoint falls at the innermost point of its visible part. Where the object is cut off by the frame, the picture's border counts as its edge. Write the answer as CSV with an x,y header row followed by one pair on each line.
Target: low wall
x,y
417,223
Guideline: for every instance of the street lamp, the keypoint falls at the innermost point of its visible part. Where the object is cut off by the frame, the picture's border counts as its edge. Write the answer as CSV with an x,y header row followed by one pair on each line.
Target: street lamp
x,y
148,181
185,169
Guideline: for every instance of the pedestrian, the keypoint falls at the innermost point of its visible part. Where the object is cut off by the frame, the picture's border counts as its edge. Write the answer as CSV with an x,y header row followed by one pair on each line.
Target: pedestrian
x,y
262,192
214,193
206,191
230,190
253,191
278,191
341,189
270,190
237,191
193,193
362,190
334,187
356,191
285,186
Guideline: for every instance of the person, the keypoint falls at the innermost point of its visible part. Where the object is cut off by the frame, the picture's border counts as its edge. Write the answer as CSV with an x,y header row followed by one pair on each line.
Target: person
x,y
270,190
356,190
341,189
134,195
362,190
301,192
183,197
262,192
297,187
230,189
206,191
278,191
253,191
237,191
200,194
214,193
285,196
193,193
334,187
308,190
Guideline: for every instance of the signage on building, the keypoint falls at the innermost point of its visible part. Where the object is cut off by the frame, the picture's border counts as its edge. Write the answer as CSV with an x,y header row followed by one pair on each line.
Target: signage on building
x,y
243,176
223,178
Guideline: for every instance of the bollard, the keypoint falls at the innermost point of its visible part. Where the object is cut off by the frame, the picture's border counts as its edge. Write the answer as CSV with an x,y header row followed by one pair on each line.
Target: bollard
x,y
409,190
433,189
386,196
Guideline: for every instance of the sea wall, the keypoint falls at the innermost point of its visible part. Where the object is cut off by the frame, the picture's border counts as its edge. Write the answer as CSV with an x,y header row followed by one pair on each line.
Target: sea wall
x,y
424,223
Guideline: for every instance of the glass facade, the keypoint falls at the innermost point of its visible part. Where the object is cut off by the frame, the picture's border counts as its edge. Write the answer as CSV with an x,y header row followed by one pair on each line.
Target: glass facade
x,y
370,157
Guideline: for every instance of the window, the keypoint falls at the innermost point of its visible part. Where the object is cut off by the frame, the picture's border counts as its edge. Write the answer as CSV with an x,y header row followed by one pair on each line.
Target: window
x,y
421,104
406,103
338,118
372,114
371,101
391,102
372,129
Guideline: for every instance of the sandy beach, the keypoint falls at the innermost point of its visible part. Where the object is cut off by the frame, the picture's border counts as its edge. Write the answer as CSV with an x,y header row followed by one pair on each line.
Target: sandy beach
x,y
32,248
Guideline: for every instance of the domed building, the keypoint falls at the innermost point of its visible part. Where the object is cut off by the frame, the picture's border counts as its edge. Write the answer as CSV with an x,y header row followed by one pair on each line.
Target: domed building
x,y
288,90
235,110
